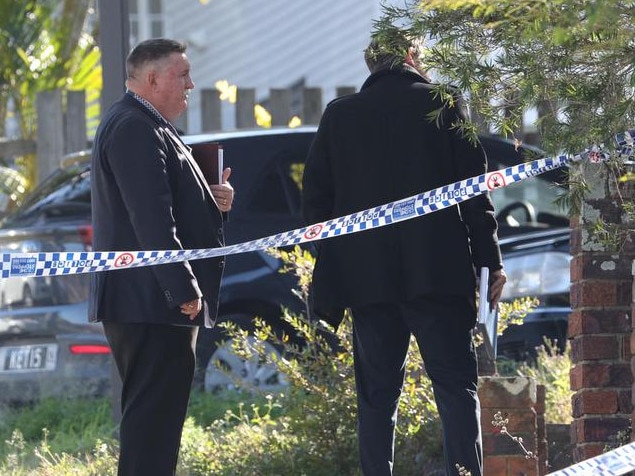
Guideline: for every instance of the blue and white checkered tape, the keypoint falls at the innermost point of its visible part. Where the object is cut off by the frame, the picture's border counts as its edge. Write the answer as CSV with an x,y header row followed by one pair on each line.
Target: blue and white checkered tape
x,y
60,263
612,463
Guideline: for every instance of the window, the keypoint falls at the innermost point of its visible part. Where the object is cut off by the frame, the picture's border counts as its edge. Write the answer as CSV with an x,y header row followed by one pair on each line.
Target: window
x,y
278,191
146,20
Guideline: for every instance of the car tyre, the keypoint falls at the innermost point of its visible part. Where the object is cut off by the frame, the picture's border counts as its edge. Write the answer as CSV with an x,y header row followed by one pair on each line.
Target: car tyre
x,y
219,369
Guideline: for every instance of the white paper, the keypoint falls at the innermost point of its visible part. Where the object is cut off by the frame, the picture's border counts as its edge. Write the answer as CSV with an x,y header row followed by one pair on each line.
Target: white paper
x,y
220,164
483,303
487,319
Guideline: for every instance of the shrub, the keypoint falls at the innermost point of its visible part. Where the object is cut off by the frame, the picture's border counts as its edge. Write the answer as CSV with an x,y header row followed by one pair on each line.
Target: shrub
x,y
552,370
49,420
319,420
309,429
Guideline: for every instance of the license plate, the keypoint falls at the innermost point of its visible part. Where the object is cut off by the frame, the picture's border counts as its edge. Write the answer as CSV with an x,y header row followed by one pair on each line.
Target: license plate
x,y
28,358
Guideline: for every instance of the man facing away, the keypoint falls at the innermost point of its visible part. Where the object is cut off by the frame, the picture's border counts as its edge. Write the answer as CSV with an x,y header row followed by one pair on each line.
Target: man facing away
x,y
415,277
149,194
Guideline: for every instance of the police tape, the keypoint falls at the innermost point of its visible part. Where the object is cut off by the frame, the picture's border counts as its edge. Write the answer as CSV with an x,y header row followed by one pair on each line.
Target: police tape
x,y
612,463
64,263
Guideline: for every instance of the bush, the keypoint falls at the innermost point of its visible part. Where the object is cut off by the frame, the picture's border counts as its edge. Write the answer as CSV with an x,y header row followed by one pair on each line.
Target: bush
x,y
42,439
309,429
318,428
552,370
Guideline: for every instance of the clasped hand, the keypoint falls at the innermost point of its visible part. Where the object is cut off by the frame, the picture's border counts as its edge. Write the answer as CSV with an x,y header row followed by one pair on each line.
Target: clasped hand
x,y
192,308
224,192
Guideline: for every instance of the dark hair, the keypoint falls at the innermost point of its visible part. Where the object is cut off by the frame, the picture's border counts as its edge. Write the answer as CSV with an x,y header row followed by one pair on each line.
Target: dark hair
x,y
152,50
388,49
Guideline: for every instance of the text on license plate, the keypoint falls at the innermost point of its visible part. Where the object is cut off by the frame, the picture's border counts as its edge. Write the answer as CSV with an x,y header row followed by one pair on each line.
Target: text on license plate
x,y
25,358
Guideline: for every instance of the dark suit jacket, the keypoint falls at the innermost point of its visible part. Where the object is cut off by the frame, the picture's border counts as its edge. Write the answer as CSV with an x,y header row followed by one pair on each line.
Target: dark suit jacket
x,y
148,194
378,146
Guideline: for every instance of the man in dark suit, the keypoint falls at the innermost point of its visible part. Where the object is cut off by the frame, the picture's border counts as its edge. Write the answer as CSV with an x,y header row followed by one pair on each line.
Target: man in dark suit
x,y
415,277
149,194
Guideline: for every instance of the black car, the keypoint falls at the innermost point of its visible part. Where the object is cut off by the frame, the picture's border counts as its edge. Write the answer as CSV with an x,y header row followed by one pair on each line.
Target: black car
x,y
47,347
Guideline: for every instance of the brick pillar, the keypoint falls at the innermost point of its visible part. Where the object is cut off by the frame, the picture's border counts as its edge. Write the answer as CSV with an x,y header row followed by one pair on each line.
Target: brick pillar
x,y
542,445
522,402
633,347
600,324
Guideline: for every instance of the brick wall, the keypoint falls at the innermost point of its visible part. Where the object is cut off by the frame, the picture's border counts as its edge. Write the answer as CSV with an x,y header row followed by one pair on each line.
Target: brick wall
x,y
633,347
600,323
522,402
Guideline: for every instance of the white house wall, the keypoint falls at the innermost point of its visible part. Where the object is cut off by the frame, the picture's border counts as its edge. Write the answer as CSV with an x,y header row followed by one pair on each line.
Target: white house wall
x,y
266,44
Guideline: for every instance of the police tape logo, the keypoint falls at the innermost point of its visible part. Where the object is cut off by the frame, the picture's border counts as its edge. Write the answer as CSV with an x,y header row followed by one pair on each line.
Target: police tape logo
x,y
124,259
23,266
404,210
313,232
495,180
71,264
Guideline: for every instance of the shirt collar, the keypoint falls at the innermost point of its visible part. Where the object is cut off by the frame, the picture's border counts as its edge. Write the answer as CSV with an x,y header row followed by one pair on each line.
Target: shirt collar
x,y
403,70
149,107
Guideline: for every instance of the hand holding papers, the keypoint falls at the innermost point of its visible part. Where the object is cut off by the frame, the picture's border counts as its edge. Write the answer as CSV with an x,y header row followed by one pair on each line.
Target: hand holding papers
x,y
487,319
209,158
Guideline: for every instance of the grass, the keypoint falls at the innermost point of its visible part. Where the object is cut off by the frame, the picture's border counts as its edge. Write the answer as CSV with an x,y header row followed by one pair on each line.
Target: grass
x,y
239,433
31,434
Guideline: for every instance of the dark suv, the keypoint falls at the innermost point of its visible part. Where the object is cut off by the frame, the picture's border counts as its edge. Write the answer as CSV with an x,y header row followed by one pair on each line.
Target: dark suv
x,y
47,347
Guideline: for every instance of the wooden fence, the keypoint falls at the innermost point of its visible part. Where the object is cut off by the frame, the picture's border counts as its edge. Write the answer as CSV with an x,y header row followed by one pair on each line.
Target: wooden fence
x,y
283,104
61,120
61,129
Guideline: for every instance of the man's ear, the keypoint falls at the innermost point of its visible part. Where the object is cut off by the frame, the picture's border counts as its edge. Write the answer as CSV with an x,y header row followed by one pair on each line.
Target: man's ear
x,y
151,77
409,59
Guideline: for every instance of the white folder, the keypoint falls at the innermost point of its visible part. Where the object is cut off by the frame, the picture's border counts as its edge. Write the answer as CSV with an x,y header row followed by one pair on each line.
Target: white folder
x,y
487,319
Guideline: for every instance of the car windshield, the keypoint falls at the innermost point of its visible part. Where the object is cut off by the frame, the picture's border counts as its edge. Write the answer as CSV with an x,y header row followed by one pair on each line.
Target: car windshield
x,y
530,203
540,194
64,193
63,199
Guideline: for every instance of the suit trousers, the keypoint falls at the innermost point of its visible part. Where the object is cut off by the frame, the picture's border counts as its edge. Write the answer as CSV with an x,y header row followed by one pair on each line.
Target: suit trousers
x,y
156,365
442,326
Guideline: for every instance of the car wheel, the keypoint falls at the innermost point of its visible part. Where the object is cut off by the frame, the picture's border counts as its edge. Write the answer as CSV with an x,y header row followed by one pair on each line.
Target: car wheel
x,y
219,368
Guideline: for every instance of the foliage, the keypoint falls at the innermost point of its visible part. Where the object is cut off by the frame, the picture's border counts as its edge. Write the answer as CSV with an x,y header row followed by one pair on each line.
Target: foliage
x,y
204,410
300,263
309,429
246,442
43,436
571,62
621,438
91,419
551,369
44,46
501,424
320,404
513,313
319,410
43,440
